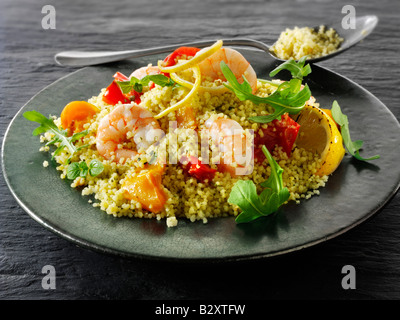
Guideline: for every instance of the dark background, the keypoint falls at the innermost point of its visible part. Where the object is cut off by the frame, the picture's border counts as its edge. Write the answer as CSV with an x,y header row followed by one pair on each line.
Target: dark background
x,y
27,66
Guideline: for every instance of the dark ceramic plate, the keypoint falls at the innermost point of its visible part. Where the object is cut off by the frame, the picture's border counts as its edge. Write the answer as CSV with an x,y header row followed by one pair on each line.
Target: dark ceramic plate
x,y
353,193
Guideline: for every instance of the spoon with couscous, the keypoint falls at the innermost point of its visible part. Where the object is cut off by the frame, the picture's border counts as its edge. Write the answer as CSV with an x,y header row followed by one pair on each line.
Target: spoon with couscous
x,y
322,42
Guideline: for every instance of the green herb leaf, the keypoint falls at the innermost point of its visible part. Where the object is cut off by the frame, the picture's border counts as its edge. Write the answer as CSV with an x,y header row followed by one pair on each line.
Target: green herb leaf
x,y
159,79
48,125
244,194
287,98
125,86
81,169
73,171
353,147
297,69
95,167
242,90
137,84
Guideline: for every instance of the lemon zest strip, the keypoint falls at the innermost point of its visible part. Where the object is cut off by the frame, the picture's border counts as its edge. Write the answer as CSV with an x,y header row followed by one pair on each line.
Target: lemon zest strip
x,y
189,85
196,86
199,57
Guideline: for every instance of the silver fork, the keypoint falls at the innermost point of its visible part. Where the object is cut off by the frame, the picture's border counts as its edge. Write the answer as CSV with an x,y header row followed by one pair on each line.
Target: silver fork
x,y
83,58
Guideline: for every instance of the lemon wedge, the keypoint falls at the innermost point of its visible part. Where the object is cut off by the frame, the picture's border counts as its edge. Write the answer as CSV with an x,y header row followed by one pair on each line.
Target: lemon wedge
x,y
189,96
199,57
319,134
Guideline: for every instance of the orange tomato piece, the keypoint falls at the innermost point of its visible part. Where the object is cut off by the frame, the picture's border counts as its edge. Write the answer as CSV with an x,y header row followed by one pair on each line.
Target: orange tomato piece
x,y
75,114
146,188
186,118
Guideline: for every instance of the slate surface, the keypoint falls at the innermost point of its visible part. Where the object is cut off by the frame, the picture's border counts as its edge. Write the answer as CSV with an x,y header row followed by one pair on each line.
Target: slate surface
x,y
27,66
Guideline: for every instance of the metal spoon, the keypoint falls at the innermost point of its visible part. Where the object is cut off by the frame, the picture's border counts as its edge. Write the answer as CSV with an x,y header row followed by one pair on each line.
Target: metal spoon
x,y
364,26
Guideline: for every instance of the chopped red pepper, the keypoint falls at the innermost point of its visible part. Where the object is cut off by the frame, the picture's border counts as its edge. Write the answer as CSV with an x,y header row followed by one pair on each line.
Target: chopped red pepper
x,y
281,133
199,170
182,51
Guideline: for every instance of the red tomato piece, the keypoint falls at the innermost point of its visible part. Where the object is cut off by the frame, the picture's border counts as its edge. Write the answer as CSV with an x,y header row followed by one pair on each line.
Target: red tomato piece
x,y
281,133
120,76
182,51
199,170
133,95
114,94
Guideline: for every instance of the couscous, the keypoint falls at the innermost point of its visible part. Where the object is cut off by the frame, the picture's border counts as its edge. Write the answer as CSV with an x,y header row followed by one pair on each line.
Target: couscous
x,y
300,42
176,140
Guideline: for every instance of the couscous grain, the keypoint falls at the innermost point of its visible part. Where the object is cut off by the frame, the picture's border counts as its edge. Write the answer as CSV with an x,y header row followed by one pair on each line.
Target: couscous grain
x,y
299,42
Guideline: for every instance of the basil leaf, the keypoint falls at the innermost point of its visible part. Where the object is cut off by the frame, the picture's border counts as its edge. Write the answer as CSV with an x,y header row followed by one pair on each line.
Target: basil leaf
x,y
83,169
95,167
125,86
73,171
132,84
353,147
137,84
159,79
138,87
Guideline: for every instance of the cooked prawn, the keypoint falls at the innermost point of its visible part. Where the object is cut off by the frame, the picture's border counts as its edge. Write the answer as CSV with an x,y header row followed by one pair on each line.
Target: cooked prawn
x,y
210,67
235,147
145,71
114,127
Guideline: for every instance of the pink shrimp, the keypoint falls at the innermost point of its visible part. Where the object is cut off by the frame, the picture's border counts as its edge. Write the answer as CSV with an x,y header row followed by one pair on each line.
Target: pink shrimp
x,y
113,129
240,67
235,148
145,71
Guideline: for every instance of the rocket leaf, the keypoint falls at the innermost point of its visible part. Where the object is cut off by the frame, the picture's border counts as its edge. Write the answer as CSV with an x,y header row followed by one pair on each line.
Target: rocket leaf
x,y
244,194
